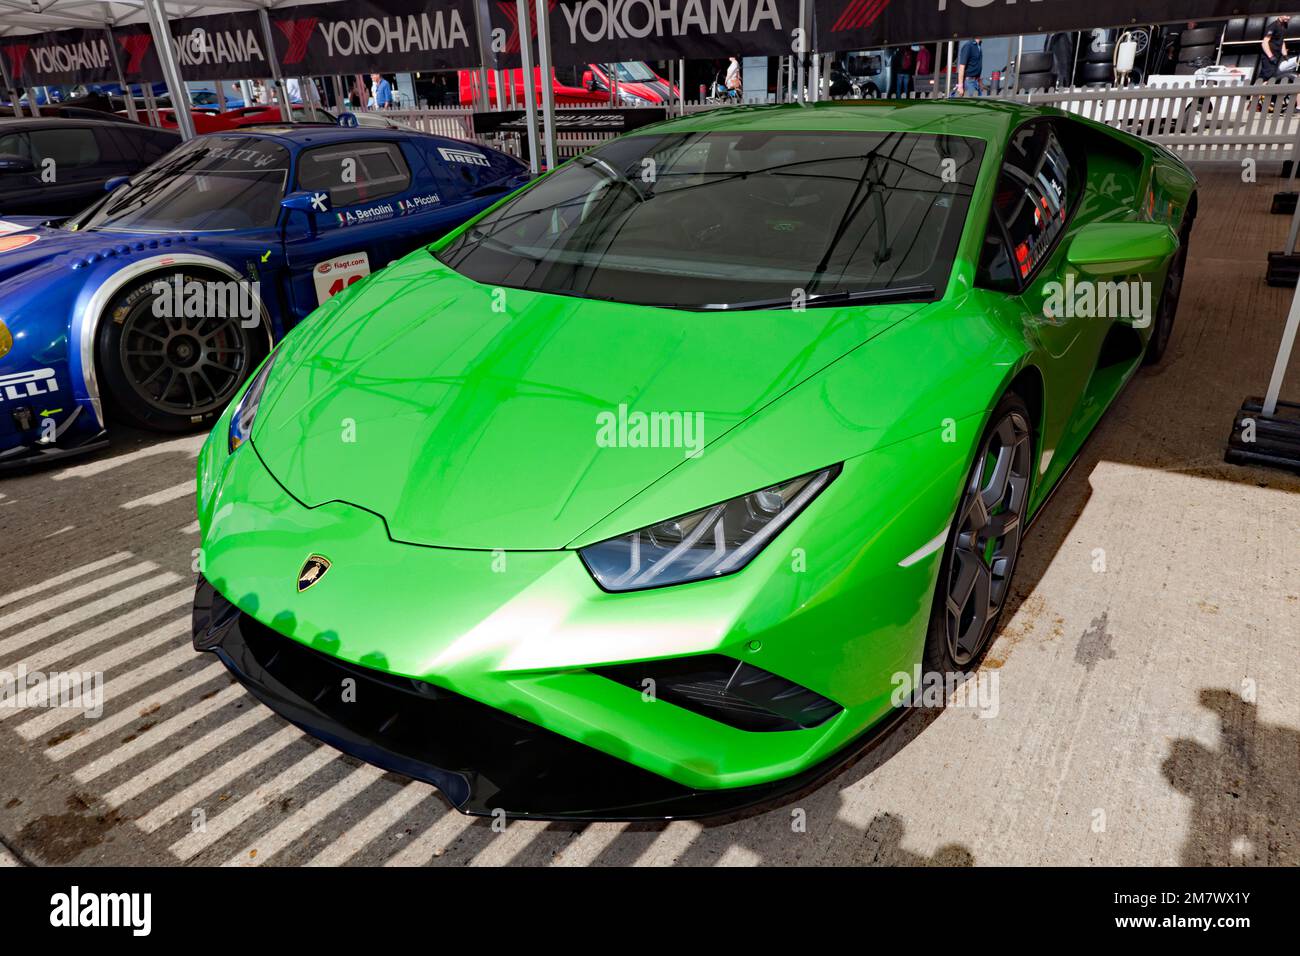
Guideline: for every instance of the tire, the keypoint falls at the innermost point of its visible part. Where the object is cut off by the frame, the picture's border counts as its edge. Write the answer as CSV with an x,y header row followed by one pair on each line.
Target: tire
x,y
1202,36
1096,72
172,375
1036,81
1167,309
1035,62
1010,429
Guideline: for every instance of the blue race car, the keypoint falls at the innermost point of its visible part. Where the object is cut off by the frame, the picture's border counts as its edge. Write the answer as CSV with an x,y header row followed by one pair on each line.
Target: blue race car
x,y
159,299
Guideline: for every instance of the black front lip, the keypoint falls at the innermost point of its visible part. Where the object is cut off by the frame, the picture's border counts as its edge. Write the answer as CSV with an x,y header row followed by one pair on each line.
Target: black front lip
x,y
484,761
27,455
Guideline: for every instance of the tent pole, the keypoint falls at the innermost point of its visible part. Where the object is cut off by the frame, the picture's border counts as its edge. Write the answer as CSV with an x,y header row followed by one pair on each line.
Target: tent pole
x,y
286,113
121,77
530,85
681,86
950,68
162,39
548,87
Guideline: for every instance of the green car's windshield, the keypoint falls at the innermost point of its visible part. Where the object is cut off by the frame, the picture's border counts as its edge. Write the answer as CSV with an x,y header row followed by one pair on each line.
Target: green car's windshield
x,y
210,184
717,219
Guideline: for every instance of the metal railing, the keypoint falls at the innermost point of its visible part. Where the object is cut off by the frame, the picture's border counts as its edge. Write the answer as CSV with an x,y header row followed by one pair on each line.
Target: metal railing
x,y
1200,123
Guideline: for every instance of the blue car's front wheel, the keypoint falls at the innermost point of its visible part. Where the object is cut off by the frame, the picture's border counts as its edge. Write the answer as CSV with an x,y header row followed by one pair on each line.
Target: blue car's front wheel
x,y
171,355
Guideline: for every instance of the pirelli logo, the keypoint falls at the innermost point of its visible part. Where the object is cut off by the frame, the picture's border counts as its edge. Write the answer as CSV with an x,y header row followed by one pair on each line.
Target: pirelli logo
x,y
463,156
20,385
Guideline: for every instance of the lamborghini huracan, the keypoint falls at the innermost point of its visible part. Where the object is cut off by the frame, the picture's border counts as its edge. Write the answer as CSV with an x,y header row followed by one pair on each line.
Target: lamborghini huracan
x,y
634,496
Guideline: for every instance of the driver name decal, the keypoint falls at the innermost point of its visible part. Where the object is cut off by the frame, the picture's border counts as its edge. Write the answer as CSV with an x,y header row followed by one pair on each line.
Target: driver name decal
x,y
353,217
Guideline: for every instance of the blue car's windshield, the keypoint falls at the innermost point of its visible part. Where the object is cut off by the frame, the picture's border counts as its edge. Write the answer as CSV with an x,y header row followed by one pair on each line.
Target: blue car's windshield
x,y
210,184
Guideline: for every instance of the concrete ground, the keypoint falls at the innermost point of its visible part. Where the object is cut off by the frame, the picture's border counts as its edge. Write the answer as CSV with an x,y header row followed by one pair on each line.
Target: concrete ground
x,y
1148,710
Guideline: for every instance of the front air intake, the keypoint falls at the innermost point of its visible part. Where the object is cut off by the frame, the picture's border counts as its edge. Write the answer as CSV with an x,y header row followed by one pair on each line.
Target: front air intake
x,y
732,692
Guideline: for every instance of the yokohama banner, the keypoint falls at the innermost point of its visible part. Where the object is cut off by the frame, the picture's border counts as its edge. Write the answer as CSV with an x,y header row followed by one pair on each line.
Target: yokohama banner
x,y
604,31
364,35
71,56
860,24
225,46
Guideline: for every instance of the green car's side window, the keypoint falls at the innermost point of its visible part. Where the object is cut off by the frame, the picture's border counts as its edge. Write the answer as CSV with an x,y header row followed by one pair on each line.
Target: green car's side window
x,y
1035,193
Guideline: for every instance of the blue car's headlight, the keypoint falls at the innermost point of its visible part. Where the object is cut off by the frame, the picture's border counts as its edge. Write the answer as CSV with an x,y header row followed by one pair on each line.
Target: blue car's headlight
x,y
241,420
703,544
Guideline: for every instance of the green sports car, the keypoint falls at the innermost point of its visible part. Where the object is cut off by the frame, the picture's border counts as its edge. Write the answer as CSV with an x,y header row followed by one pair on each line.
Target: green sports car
x,y
638,495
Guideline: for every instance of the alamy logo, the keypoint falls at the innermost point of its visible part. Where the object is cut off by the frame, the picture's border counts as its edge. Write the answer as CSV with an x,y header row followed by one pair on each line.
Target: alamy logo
x,y
629,429
1086,299
74,908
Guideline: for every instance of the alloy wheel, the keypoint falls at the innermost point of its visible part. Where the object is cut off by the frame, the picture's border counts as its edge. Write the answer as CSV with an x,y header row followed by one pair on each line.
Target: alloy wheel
x,y
990,523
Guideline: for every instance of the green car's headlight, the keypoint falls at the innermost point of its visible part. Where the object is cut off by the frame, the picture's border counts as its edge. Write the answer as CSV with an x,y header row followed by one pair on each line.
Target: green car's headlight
x,y
703,544
241,420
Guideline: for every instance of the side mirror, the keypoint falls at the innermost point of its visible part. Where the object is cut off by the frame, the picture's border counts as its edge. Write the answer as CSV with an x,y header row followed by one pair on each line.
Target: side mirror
x,y
589,80
310,202
1121,248
12,163
117,182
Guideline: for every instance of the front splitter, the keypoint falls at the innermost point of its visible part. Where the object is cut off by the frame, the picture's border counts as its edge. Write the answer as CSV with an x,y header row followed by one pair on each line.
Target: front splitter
x,y
485,761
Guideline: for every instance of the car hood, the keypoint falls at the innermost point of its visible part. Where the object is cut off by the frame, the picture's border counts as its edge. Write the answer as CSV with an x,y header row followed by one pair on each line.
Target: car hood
x,y
24,243
477,418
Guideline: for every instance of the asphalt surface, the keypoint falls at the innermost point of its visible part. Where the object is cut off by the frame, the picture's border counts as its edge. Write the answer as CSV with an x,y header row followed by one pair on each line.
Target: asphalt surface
x,y
1146,704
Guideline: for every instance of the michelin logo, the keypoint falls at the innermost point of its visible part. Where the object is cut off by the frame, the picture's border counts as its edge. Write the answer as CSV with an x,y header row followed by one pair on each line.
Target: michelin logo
x,y
463,156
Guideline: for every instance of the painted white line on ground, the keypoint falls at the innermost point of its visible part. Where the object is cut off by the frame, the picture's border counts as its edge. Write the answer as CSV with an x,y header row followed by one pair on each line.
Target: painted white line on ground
x,y
191,528
74,594
121,684
588,844
64,578
190,715
213,781
198,840
504,847
34,635
189,444
162,497
671,843
436,839
376,824
55,534
164,634
310,814
152,775
40,660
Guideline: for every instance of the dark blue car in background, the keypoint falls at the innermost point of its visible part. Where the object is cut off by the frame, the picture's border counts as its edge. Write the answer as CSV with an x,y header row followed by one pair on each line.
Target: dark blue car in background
x,y
158,301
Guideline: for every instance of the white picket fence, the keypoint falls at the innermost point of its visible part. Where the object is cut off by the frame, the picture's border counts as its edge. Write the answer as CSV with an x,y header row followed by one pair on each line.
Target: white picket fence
x,y
1199,123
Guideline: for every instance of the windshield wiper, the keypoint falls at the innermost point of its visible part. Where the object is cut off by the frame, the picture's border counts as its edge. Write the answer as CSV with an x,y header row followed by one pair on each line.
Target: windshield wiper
x,y
823,299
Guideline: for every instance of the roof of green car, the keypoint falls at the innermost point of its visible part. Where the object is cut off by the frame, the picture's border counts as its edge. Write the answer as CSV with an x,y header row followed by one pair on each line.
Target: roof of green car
x,y
984,119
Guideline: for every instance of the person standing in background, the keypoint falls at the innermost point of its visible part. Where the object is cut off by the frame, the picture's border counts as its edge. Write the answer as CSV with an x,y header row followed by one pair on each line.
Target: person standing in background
x,y
382,91
904,63
733,80
1274,47
970,67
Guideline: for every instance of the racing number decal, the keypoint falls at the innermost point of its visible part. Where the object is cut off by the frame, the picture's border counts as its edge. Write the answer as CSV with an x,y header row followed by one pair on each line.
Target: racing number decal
x,y
334,275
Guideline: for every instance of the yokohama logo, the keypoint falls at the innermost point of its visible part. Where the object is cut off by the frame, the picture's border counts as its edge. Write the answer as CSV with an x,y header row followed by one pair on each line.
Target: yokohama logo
x,y
595,20
298,33
136,46
510,11
17,54
860,14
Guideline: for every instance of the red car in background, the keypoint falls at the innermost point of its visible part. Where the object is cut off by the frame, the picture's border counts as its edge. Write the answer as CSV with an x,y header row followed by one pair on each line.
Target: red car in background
x,y
210,121
638,85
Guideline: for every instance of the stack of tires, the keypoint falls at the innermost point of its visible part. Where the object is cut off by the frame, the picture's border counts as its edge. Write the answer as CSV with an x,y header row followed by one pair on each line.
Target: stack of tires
x,y
1096,59
1035,72
1198,48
